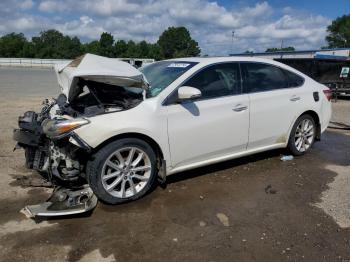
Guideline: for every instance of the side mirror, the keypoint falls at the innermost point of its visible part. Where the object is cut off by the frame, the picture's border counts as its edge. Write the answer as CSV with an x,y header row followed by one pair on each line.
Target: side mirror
x,y
188,93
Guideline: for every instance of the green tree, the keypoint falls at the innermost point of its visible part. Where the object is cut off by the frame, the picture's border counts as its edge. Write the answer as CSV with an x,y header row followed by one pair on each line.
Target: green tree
x,y
339,32
177,42
143,49
11,45
174,42
71,47
53,44
132,50
106,45
46,45
283,49
155,52
120,48
28,50
91,47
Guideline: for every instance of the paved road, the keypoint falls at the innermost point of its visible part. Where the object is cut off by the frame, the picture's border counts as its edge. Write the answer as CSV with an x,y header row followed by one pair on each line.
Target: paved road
x,y
24,82
255,208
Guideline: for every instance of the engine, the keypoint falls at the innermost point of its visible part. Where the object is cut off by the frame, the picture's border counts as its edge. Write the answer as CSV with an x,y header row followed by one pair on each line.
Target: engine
x,y
57,159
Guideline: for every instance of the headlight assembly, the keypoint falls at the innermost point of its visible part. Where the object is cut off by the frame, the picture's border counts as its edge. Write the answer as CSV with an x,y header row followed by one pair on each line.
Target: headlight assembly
x,y
55,128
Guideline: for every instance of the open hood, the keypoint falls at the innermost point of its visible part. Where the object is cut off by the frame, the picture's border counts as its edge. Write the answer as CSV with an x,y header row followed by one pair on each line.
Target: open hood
x,y
99,69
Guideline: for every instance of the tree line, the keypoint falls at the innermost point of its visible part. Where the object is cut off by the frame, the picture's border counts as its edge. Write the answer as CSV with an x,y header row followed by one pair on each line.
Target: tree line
x,y
173,42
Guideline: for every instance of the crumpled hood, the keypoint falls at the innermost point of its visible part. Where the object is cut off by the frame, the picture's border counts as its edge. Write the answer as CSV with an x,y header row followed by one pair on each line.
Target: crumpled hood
x,y
99,69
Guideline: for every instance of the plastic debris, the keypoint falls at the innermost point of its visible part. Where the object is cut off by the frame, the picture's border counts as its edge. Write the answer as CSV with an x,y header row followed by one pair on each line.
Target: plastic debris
x,y
223,219
63,202
287,158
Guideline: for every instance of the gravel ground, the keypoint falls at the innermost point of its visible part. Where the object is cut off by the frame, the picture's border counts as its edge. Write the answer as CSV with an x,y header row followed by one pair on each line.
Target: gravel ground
x,y
256,208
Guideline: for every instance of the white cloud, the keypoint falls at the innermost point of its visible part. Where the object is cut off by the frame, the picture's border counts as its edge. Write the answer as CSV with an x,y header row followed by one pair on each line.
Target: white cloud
x,y
26,4
51,6
84,27
256,27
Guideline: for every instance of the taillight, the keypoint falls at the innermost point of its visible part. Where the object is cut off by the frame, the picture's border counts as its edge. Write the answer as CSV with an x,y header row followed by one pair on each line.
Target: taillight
x,y
328,94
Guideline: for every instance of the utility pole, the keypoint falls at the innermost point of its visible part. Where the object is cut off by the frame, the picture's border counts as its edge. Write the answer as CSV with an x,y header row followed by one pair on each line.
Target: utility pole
x,y
281,44
233,34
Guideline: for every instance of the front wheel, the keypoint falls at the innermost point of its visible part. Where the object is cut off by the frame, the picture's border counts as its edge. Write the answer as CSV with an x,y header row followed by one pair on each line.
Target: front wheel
x,y
302,135
122,171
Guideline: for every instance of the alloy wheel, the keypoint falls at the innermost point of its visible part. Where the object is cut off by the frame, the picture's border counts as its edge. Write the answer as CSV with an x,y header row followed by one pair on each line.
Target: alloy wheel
x,y
304,135
126,172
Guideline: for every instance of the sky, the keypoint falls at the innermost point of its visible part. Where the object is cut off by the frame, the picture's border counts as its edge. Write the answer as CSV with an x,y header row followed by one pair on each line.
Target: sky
x,y
257,25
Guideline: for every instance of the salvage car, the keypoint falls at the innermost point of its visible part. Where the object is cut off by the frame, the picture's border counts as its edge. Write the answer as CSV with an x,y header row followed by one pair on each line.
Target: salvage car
x,y
115,129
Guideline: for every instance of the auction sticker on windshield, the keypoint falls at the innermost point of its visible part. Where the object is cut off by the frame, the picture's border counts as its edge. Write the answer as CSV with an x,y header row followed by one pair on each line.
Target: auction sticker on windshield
x,y
181,65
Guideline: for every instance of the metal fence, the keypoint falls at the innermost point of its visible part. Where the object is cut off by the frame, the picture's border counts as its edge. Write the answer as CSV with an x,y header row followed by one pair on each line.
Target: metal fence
x,y
50,63
29,62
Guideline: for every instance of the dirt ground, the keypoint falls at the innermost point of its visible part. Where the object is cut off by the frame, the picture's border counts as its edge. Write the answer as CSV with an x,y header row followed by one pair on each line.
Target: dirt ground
x,y
256,208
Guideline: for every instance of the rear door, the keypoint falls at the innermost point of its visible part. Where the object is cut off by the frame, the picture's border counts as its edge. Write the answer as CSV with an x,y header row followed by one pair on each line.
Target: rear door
x,y
213,126
274,101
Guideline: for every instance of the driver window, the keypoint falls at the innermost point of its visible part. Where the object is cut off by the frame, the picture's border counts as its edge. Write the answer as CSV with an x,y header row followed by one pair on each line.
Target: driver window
x,y
217,80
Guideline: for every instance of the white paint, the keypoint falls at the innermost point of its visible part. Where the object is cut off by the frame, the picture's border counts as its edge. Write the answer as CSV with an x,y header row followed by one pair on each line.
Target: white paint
x,y
99,69
209,131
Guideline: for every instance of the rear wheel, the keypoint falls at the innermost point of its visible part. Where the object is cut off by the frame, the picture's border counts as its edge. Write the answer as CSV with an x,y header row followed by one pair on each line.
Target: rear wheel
x,y
302,135
122,171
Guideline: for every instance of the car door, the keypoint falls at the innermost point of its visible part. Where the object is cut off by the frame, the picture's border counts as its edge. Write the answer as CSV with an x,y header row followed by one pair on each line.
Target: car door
x,y
274,101
213,126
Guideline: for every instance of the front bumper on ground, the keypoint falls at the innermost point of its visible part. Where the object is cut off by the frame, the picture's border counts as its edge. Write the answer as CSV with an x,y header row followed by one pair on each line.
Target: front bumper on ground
x,y
64,202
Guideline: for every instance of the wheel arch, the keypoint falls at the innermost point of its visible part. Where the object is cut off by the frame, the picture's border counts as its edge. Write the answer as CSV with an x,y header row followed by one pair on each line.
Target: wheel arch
x,y
316,118
153,144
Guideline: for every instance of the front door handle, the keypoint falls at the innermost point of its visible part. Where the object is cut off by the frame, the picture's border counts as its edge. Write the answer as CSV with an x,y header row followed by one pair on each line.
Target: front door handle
x,y
294,98
240,108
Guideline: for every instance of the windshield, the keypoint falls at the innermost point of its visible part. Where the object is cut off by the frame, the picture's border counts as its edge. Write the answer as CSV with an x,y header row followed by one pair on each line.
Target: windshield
x,y
161,74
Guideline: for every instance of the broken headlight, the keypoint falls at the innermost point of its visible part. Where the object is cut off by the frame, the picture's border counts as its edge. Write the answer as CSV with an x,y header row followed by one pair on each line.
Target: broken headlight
x,y
55,128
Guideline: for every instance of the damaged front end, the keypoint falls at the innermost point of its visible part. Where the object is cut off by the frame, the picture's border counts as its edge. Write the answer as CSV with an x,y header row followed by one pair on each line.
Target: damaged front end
x,y
59,155
90,86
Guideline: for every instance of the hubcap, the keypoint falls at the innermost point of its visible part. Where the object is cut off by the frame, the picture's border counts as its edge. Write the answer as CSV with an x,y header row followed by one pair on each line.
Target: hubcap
x,y
304,135
126,172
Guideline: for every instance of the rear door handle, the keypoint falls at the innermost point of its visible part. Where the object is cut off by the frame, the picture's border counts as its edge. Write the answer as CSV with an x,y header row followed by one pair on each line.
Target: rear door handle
x,y
240,108
294,98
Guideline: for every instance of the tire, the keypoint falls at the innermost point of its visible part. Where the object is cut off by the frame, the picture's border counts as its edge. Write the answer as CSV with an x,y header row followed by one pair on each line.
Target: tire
x,y
300,141
110,170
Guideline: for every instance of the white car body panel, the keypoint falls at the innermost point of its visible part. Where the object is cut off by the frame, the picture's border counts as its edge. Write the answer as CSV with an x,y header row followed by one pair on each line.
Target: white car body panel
x,y
98,69
210,131
211,127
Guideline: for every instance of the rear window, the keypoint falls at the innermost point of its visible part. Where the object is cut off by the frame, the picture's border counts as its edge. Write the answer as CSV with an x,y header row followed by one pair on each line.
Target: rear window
x,y
293,79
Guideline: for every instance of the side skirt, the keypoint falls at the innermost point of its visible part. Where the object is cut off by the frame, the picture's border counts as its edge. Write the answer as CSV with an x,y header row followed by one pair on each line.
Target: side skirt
x,y
224,158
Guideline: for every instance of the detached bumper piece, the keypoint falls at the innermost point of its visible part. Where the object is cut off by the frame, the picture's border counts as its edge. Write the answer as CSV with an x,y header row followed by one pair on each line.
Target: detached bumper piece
x,y
64,202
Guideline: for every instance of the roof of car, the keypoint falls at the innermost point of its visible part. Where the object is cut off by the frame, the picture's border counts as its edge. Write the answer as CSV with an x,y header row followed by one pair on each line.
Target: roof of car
x,y
210,60
222,59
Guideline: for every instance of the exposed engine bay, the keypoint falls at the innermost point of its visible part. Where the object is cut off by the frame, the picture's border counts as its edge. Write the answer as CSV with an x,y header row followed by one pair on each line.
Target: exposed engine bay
x,y
93,98
62,156
48,139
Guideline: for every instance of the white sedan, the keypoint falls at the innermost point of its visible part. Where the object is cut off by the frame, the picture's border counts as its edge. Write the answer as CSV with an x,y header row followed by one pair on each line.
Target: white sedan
x,y
118,128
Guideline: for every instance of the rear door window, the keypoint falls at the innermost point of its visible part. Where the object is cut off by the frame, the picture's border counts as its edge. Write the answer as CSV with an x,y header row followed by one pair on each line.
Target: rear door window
x,y
260,77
